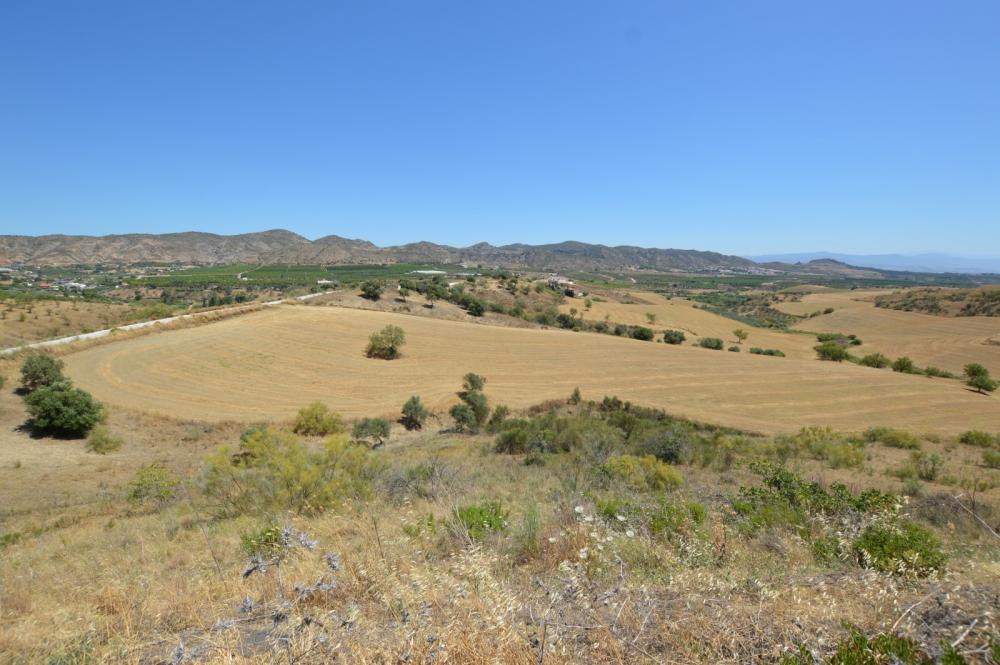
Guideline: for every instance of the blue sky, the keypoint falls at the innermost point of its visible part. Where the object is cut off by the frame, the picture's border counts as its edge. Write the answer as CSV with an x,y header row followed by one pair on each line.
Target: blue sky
x,y
743,127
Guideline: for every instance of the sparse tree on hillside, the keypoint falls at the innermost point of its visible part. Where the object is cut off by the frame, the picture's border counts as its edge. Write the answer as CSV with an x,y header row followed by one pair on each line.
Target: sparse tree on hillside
x,y
386,343
978,377
371,290
651,318
371,430
674,337
40,370
414,413
831,351
741,335
63,409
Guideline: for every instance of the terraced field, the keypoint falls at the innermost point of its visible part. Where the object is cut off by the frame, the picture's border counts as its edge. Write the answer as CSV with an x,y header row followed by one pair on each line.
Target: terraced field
x,y
945,342
267,364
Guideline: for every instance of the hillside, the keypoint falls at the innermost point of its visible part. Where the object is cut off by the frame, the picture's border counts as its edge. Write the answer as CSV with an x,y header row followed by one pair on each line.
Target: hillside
x,y
285,247
944,302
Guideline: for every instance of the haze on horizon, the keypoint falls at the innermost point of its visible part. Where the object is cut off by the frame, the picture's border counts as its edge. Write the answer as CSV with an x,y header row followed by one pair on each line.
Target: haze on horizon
x,y
746,130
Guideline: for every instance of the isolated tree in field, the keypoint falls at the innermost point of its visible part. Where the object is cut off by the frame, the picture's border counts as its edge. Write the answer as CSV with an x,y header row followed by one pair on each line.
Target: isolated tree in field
x,y
831,351
674,337
650,318
63,409
414,414
40,370
978,377
374,431
386,343
575,397
741,335
371,290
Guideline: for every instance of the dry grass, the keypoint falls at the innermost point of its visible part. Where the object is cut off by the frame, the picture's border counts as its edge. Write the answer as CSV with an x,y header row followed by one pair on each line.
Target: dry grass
x,y
267,364
126,585
684,315
945,342
45,319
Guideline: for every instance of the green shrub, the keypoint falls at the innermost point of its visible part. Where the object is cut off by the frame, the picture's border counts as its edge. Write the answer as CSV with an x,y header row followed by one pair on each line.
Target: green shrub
x,y
481,519
978,438
831,351
674,337
643,333
372,290
102,441
40,370
757,351
822,443
877,360
63,410
904,364
857,649
317,419
991,458
464,417
276,471
497,418
265,542
153,483
373,431
933,372
668,444
894,438
711,343
643,474
385,344
903,548
921,465
734,349
414,414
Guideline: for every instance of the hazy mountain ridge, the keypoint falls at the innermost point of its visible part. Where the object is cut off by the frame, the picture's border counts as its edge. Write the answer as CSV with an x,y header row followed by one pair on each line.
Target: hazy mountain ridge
x,y
280,246
925,262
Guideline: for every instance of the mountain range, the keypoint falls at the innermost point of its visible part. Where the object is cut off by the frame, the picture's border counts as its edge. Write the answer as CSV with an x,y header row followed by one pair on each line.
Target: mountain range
x,y
285,247
927,262
279,246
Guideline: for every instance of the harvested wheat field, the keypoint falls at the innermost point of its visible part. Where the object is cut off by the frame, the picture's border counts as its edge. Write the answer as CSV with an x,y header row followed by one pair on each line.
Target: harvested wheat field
x,y
684,315
945,342
267,364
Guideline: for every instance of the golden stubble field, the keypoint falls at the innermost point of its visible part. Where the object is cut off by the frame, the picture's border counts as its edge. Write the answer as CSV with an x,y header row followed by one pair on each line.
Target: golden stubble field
x,y
264,366
945,342
684,315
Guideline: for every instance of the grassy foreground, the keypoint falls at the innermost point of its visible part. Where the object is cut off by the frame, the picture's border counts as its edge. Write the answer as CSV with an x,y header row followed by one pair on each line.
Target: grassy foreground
x,y
573,532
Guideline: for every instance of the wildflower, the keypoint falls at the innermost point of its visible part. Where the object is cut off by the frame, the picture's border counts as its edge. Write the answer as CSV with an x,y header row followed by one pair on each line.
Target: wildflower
x,y
579,510
306,542
584,553
630,533
620,518
246,607
178,656
332,561
552,539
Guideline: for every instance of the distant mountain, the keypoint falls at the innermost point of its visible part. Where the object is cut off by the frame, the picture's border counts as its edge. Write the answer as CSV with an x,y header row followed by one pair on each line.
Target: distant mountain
x,y
285,247
929,262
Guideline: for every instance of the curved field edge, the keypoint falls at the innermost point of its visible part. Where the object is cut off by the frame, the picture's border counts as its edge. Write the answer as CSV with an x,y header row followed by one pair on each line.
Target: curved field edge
x,y
265,365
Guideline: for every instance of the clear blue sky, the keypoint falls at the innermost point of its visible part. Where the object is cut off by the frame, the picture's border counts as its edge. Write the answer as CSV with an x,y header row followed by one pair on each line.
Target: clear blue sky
x,y
744,127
